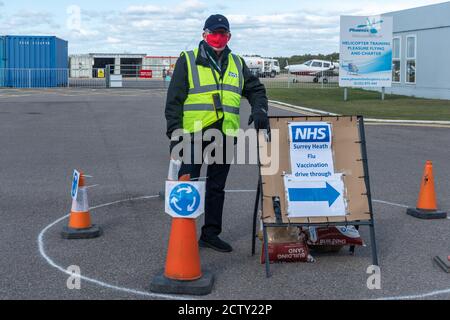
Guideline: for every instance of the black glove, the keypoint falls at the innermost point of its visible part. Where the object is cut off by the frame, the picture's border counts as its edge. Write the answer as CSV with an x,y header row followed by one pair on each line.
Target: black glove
x,y
260,119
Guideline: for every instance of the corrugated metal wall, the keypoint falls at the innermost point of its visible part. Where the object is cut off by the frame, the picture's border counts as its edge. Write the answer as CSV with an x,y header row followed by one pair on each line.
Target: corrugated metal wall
x,y
2,52
158,64
35,61
81,66
2,61
62,53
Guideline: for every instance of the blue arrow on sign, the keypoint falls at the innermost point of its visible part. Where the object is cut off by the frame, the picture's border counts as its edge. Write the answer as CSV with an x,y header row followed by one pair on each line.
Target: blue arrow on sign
x,y
184,199
328,194
75,182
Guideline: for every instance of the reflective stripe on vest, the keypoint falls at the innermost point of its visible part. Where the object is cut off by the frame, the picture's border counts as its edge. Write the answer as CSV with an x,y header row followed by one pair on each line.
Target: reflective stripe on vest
x,y
199,107
206,88
208,107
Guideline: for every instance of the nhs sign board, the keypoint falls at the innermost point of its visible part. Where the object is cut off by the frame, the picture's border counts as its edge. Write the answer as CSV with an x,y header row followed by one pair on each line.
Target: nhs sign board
x,y
310,150
311,133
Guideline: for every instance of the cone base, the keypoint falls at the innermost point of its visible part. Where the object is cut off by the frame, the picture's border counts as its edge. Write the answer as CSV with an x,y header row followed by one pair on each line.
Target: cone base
x,y
92,232
442,261
422,214
200,287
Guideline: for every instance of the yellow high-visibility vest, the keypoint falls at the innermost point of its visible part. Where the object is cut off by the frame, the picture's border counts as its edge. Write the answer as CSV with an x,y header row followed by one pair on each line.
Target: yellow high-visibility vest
x,y
199,111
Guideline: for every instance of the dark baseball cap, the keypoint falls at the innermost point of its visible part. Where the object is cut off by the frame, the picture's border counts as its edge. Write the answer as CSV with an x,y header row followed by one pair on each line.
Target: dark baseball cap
x,y
217,21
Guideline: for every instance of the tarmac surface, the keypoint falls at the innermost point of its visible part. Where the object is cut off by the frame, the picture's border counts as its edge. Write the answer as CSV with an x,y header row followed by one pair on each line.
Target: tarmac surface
x,y
118,137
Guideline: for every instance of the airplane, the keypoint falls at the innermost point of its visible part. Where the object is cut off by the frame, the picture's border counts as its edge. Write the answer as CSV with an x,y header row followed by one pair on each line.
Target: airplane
x,y
315,68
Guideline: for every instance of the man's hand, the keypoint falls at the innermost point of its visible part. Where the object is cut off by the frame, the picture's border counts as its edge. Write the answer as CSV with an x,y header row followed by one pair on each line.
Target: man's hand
x,y
260,120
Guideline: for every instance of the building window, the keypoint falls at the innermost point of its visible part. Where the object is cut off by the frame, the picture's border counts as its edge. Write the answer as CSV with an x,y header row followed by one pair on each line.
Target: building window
x,y
396,56
411,55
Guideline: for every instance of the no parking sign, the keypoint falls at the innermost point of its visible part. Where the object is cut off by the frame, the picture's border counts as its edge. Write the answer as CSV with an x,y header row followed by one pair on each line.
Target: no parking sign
x,y
185,199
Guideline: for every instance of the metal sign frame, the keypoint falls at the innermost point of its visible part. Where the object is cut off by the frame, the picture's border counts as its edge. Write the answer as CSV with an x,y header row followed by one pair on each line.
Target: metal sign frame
x,y
260,195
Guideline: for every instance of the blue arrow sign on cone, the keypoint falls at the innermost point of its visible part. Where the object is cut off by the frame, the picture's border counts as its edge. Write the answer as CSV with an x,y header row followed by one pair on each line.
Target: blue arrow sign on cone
x,y
328,194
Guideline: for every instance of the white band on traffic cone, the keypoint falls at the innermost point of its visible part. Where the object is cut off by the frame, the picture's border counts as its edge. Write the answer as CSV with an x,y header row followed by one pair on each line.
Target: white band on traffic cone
x,y
80,204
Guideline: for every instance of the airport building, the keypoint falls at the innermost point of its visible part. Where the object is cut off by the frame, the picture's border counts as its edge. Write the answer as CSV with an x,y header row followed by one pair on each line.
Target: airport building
x,y
421,52
93,65
88,65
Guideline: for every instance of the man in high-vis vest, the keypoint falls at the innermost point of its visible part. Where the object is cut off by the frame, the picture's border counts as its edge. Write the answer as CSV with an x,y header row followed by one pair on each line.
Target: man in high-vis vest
x,y
205,93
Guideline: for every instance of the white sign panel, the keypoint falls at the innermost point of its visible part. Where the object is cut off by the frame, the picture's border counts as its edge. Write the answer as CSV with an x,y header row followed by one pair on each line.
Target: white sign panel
x,y
310,150
75,184
185,199
365,51
307,198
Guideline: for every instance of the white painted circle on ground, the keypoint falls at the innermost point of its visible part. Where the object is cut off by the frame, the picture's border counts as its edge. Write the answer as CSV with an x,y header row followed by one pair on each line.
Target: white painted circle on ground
x,y
176,297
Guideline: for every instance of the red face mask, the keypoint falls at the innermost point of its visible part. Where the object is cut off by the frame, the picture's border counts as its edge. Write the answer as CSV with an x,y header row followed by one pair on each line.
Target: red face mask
x,y
217,40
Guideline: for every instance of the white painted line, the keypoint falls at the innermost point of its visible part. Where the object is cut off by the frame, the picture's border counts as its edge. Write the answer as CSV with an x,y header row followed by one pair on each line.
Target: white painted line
x,y
447,123
408,125
93,186
303,112
391,203
95,281
418,296
320,112
164,296
124,200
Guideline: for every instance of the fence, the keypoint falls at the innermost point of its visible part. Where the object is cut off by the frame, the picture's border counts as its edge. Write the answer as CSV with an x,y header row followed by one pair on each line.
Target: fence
x,y
133,76
34,78
288,80
87,78
140,76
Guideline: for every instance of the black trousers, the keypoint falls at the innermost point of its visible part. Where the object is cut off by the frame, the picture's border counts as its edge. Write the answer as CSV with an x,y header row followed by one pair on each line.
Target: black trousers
x,y
216,177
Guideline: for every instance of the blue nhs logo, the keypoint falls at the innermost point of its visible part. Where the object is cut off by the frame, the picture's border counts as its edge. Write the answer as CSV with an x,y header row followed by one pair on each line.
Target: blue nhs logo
x,y
312,133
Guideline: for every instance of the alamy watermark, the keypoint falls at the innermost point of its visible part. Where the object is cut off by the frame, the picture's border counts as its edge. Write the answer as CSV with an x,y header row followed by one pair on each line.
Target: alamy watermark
x,y
74,18
213,147
74,280
374,279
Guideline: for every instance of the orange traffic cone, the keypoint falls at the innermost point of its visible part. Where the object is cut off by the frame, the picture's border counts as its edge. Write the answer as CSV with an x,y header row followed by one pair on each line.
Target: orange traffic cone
x,y
183,274
427,203
80,226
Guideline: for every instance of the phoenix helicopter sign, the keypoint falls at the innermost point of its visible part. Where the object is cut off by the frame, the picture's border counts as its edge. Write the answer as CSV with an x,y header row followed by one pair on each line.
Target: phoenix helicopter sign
x,y
366,51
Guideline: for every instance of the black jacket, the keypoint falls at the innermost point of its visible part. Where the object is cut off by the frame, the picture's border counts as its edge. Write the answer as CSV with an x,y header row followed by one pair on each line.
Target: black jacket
x,y
254,90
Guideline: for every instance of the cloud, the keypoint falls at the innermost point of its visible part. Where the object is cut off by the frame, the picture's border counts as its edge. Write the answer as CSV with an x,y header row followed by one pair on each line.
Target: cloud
x,y
113,40
146,29
144,10
184,8
160,29
26,22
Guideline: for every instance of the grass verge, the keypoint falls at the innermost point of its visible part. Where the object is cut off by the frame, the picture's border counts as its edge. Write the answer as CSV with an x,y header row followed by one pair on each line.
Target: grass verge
x,y
366,103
